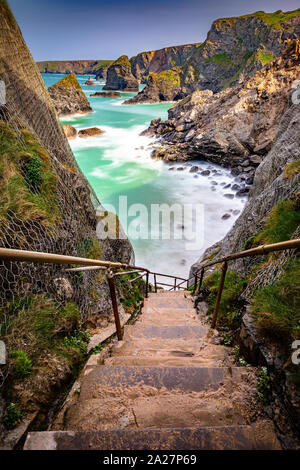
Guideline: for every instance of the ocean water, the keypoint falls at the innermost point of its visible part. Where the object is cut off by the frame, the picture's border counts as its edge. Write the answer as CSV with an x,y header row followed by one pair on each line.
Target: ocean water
x,y
118,163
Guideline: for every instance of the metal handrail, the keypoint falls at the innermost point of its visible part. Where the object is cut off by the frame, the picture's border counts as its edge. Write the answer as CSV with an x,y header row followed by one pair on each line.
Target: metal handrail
x,y
8,254
260,250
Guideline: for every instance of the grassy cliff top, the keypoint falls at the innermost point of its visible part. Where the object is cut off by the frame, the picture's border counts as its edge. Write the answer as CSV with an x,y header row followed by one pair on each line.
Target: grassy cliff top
x,y
54,65
123,60
68,81
274,20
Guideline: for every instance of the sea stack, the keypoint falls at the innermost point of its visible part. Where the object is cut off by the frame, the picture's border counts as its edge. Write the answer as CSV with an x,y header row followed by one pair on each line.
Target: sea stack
x,y
68,97
89,81
120,77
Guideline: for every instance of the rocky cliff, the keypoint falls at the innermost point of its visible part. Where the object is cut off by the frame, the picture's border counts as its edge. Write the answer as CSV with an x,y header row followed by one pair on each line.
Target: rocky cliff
x,y
234,128
234,49
120,77
260,308
47,205
68,97
148,62
79,67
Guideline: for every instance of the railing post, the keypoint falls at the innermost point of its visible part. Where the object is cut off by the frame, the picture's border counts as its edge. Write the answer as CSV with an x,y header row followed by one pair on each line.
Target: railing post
x,y
200,282
147,284
175,284
195,283
221,285
155,284
111,283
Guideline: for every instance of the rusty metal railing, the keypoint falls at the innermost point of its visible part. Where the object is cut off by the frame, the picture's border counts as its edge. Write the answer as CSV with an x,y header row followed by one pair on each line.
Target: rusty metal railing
x,y
8,254
260,250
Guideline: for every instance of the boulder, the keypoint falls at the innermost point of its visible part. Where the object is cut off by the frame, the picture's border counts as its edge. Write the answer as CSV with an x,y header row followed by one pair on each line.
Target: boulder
x,y
108,94
69,131
90,132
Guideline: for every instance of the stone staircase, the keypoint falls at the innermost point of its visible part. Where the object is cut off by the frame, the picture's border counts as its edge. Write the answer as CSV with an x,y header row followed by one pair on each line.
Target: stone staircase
x,y
168,385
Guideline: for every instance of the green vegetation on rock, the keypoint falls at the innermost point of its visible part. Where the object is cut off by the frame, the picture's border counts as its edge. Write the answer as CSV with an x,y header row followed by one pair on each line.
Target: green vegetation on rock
x,y
68,81
276,306
283,220
222,59
265,57
292,169
27,178
229,307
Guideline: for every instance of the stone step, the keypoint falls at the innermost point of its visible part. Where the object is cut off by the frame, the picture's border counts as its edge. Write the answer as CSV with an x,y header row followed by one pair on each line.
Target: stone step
x,y
158,349
152,411
169,303
208,438
184,379
139,331
170,361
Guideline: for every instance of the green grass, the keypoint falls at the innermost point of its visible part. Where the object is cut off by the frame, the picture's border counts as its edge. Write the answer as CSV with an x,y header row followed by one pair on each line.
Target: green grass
x,y
274,20
27,181
229,306
122,61
166,80
281,223
12,416
67,82
265,57
276,307
222,59
292,169
264,386
23,365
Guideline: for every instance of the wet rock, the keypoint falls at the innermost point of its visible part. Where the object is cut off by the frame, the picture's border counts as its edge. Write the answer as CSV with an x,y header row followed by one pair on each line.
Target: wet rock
x,y
180,168
243,191
89,81
227,186
194,169
205,172
226,216
108,94
90,132
235,187
229,196
69,131
214,183
172,168
256,159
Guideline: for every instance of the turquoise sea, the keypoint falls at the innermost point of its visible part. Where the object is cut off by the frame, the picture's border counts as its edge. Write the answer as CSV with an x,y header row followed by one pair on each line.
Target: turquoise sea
x,y
118,163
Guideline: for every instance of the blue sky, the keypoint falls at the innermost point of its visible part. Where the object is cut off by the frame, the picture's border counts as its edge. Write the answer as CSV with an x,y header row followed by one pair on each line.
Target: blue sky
x,y
106,29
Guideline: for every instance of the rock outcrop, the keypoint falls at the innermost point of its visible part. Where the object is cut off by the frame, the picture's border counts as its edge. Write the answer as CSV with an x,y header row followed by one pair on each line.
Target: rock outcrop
x,y
90,132
89,81
234,128
148,62
79,67
68,97
235,48
120,77
70,131
106,94
272,214
163,86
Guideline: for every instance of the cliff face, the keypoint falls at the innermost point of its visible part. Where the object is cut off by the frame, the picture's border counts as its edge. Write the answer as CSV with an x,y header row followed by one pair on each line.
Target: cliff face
x,y
68,97
234,49
79,67
234,128
266,303
120,77
156,61
163,86
46,204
